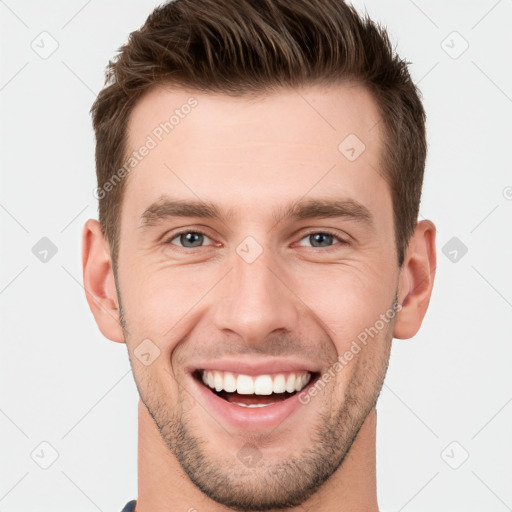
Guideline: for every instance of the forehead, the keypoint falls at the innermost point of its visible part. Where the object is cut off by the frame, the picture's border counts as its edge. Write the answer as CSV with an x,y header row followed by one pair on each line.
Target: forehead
x,y
249,153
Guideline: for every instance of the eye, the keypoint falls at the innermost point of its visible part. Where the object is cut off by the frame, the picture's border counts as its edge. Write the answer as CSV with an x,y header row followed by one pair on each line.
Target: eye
x,y
189,239
322,239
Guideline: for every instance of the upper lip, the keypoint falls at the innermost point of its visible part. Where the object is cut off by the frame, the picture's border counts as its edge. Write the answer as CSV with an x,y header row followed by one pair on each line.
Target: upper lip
x,y
255,366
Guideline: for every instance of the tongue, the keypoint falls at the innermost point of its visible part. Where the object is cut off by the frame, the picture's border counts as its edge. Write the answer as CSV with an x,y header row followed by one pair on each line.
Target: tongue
x,y
254,399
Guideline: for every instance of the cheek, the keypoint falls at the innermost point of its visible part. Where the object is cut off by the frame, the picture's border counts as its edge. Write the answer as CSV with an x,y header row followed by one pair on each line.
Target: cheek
x,y
346,299
158,298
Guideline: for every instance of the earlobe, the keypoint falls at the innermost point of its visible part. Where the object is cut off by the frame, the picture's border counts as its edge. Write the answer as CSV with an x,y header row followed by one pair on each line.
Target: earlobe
x,y
416,280
99,281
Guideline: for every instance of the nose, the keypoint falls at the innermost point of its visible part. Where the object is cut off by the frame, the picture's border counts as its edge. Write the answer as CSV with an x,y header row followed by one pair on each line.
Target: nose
x,y
255,300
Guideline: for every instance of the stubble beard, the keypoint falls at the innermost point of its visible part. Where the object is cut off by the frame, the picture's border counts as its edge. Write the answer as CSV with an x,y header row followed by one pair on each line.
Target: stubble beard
x,y
269,485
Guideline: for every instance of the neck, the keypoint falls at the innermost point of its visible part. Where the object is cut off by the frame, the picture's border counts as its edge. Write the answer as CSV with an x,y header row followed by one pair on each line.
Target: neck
x,y
164,487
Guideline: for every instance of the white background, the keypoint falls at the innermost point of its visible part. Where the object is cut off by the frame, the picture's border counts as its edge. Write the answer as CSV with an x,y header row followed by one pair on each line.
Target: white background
x,y
62,383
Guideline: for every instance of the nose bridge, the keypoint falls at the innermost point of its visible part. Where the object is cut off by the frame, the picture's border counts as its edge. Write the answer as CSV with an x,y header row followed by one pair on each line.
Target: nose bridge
x,y
254,300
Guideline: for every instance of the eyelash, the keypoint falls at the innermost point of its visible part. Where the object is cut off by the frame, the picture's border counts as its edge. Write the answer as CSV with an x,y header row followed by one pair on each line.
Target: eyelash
x,y
341,241
200,232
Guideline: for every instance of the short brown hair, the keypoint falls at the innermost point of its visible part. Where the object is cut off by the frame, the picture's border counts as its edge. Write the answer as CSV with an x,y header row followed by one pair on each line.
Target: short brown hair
x,y
250,47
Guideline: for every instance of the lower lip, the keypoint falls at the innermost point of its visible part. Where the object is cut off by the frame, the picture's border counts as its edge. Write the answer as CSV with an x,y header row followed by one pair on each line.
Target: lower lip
x,y
241,417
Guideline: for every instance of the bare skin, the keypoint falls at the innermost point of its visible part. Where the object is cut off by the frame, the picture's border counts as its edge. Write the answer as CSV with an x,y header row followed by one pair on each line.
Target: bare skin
x,y
302,299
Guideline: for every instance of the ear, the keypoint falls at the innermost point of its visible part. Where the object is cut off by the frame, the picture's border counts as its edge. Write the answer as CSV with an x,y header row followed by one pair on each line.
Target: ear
x,y
416,280
99,281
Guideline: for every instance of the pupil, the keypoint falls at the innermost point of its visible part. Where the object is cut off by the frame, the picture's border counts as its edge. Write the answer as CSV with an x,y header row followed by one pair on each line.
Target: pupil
x,y
195,239
320,237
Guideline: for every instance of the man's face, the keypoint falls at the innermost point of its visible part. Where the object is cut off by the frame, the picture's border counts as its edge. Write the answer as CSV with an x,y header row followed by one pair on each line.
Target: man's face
x,y
258,291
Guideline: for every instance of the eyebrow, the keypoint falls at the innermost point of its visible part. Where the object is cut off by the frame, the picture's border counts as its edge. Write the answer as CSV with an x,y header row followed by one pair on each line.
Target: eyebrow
x,y
166,208
325,208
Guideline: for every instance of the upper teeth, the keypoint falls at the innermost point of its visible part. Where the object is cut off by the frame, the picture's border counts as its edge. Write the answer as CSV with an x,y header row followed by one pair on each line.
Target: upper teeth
x,y
255,385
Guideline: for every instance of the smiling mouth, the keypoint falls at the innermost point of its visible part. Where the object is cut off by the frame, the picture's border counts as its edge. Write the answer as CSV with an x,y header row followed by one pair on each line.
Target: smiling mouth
x,y
255,390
